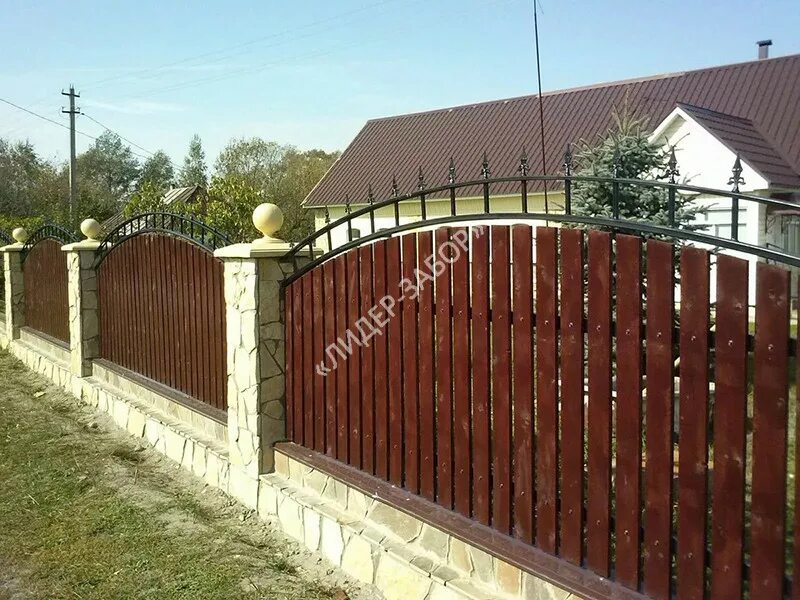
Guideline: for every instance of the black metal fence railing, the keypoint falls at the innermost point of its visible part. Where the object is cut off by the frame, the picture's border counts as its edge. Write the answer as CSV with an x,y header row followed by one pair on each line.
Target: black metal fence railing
x,y
180,226
48,232
676,197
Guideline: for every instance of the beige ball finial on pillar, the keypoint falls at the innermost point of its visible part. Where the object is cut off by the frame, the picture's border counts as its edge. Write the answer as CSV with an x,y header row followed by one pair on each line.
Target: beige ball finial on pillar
x,y
91,229
20,235
267,218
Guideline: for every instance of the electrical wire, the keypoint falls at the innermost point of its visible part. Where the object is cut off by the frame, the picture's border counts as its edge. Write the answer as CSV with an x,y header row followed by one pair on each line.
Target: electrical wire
x,y
286,32
83,133
49,120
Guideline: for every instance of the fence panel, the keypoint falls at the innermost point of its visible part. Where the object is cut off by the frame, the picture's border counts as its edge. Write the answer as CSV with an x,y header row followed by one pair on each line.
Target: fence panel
x,y
46,299
534,395
161,315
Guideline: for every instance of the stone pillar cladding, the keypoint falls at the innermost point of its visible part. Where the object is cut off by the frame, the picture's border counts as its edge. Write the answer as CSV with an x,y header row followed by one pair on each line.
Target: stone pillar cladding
x,y
84,322
255,357
14,289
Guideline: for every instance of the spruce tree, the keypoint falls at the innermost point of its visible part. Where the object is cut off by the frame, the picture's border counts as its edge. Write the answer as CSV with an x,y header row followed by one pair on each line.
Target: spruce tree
x,y
194,170
626,150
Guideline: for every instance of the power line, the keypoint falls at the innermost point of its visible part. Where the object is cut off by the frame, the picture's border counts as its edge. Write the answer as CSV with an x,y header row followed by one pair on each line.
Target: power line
x,y
49,120
248,43
107,128
281,62
83,133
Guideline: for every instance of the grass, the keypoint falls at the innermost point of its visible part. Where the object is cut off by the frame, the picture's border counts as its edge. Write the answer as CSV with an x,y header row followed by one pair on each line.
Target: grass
x,y
86,513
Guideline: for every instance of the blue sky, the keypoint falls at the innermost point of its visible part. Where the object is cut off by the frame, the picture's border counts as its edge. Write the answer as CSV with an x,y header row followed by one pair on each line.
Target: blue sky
x,y
310,73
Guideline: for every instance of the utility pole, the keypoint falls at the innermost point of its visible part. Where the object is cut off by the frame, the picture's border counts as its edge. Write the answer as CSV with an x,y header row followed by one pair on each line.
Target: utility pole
x,y
73,181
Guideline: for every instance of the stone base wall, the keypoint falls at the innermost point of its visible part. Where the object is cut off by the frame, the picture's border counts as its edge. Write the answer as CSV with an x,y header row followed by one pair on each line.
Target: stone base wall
x,y
197,451
160,403
378,544
199,454
41,356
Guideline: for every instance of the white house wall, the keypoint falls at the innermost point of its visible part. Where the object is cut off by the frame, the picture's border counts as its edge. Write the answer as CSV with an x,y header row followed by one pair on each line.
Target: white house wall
x,y
704,161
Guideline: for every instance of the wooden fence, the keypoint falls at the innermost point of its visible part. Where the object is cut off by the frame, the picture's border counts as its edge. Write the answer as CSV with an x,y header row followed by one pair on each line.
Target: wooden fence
x,y
46,301
557,390
162,314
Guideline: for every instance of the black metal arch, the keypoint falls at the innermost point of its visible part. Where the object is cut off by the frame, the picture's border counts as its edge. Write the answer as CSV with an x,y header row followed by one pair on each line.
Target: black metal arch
x,y
180,226
615,221
48,232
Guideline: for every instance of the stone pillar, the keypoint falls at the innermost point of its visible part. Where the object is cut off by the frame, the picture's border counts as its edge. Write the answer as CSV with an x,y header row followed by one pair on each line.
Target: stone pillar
x,y
14,284
255,356
84,323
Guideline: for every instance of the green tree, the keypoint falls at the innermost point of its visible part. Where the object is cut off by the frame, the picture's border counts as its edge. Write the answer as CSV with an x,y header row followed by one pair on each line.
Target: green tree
x,y
229,207
108,167
31,188
253,161
194,170
302,171
627,147
148,198
257,170
158,172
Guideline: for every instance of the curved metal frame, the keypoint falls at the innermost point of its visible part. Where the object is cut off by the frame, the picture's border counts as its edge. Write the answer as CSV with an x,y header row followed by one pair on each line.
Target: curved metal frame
x,y
615,222
48,232
180,226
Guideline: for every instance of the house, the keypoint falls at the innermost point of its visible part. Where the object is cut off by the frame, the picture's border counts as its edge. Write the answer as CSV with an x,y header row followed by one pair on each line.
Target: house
x,y
173,196
711,115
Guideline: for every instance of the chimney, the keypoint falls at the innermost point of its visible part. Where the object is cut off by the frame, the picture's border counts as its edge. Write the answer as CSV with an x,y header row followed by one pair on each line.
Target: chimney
x,y
763,49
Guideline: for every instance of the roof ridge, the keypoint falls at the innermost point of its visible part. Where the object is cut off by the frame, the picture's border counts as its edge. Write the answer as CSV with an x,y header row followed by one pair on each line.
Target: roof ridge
x,y
688,105
582,88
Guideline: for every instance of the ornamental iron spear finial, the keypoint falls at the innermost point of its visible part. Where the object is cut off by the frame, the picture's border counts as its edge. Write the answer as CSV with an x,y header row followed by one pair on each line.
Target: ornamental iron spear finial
x,y
346,204
523,163
420,180
485,172
672,166
395,190
736,178
327,215
370,195
568,161
451,172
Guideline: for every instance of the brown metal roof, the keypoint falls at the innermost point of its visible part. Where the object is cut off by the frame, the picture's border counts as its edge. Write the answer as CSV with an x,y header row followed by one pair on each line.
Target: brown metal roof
x,y
744,138
765,92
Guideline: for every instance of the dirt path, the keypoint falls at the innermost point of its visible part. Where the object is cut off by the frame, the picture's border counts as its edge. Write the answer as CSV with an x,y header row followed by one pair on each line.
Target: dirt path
x,y
88,512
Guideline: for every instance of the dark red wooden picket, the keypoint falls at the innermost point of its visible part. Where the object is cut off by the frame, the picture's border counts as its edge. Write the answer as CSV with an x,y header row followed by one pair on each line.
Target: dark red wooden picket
x,y
444,389
572,407
501,381
367,364
162,315
546,389
481,369
329,289
409,306
693,448
730,422
534,393
395,330
660,396
770,412
598,531
427,378
462,454
629,409
45,278
521,250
